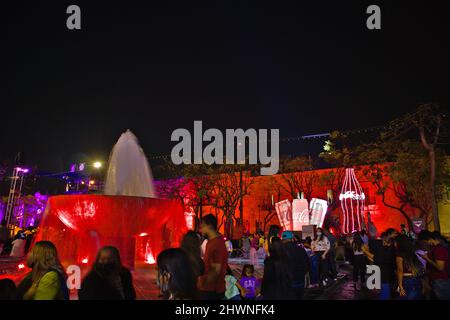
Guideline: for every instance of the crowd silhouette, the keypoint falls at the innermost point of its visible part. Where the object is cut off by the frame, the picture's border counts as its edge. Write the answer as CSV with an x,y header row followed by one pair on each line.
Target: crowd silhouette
x,y
413,267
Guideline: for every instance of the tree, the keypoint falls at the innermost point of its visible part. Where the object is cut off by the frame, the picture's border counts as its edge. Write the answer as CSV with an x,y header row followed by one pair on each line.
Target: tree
x,y
298,176
379,176
229,189
430,123
274,193
332,181
396,165
192,185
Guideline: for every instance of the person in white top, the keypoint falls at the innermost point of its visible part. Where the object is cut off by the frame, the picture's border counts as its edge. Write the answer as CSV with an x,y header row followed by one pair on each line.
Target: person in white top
x,y
320,246
18,249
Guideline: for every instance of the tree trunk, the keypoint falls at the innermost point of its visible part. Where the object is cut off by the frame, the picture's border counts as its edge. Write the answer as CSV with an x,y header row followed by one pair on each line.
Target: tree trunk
x,y
241,202
434,207
404,214
267,218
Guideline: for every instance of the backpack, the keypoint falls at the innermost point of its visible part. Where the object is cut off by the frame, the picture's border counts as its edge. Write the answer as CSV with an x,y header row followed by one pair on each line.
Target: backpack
x,y
63,285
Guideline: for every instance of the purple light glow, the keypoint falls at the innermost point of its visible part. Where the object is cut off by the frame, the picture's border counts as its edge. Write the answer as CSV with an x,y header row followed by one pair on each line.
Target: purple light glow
x,y
28,210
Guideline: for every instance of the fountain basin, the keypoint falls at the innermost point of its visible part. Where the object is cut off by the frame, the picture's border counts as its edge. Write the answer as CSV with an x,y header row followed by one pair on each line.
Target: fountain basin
x,y
140,227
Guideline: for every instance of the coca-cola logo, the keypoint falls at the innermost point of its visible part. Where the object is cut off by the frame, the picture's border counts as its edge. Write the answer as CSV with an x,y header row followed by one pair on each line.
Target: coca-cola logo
x,y
352,195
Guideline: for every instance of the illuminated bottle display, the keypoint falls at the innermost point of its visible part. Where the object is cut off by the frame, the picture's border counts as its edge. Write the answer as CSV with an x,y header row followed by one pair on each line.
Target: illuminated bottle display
x,y
352,203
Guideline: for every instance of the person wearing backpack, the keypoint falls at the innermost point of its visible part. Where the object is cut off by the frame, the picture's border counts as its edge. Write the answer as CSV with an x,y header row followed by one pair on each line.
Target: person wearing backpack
x,y
47,279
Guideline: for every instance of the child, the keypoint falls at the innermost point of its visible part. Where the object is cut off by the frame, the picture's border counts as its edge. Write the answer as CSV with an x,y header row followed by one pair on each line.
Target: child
x,y
254,246
248,284
232,291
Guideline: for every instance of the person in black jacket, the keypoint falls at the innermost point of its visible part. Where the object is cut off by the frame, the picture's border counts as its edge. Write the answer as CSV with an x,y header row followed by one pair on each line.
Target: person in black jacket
x,y
298,262
108,279
277,279
384,257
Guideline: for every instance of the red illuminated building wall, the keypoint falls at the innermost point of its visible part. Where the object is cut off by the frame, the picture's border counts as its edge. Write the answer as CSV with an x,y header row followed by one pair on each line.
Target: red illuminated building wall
x,y
256,204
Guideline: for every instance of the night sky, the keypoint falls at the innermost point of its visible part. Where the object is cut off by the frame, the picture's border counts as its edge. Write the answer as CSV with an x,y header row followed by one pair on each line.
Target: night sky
x,y
305,67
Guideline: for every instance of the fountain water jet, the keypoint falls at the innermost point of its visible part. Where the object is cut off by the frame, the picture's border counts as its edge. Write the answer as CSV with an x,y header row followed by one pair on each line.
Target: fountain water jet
x,y
128,171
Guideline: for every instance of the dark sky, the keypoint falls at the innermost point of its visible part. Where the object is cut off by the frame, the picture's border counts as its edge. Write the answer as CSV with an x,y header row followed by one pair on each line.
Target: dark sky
x,y
304,67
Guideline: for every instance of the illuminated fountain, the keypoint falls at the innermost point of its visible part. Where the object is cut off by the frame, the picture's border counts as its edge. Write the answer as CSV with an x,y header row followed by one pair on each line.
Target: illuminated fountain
x,y
127,216
128,171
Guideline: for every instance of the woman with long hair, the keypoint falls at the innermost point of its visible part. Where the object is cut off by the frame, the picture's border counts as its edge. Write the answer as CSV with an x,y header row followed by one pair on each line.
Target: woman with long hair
x,y
320,246
360,254
192,246
410,270
274,231
277,278
47,279
108,279
175,276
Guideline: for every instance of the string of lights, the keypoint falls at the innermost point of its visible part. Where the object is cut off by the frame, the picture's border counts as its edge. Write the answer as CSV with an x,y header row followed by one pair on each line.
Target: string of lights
x,y
305,137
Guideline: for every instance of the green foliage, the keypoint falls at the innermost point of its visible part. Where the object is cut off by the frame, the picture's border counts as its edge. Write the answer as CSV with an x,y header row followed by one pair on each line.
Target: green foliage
x,y
395,162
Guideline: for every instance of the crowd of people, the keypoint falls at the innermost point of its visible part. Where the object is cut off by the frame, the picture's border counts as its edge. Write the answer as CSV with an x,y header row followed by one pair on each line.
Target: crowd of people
x,y
413,266
18,245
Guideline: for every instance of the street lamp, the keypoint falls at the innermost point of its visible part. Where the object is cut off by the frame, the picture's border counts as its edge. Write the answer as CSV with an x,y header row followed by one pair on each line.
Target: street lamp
x,y
97,165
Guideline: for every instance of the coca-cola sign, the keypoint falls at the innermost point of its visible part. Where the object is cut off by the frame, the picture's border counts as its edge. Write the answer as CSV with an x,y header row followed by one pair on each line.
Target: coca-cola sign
x,y
284,212
352,203
301,213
